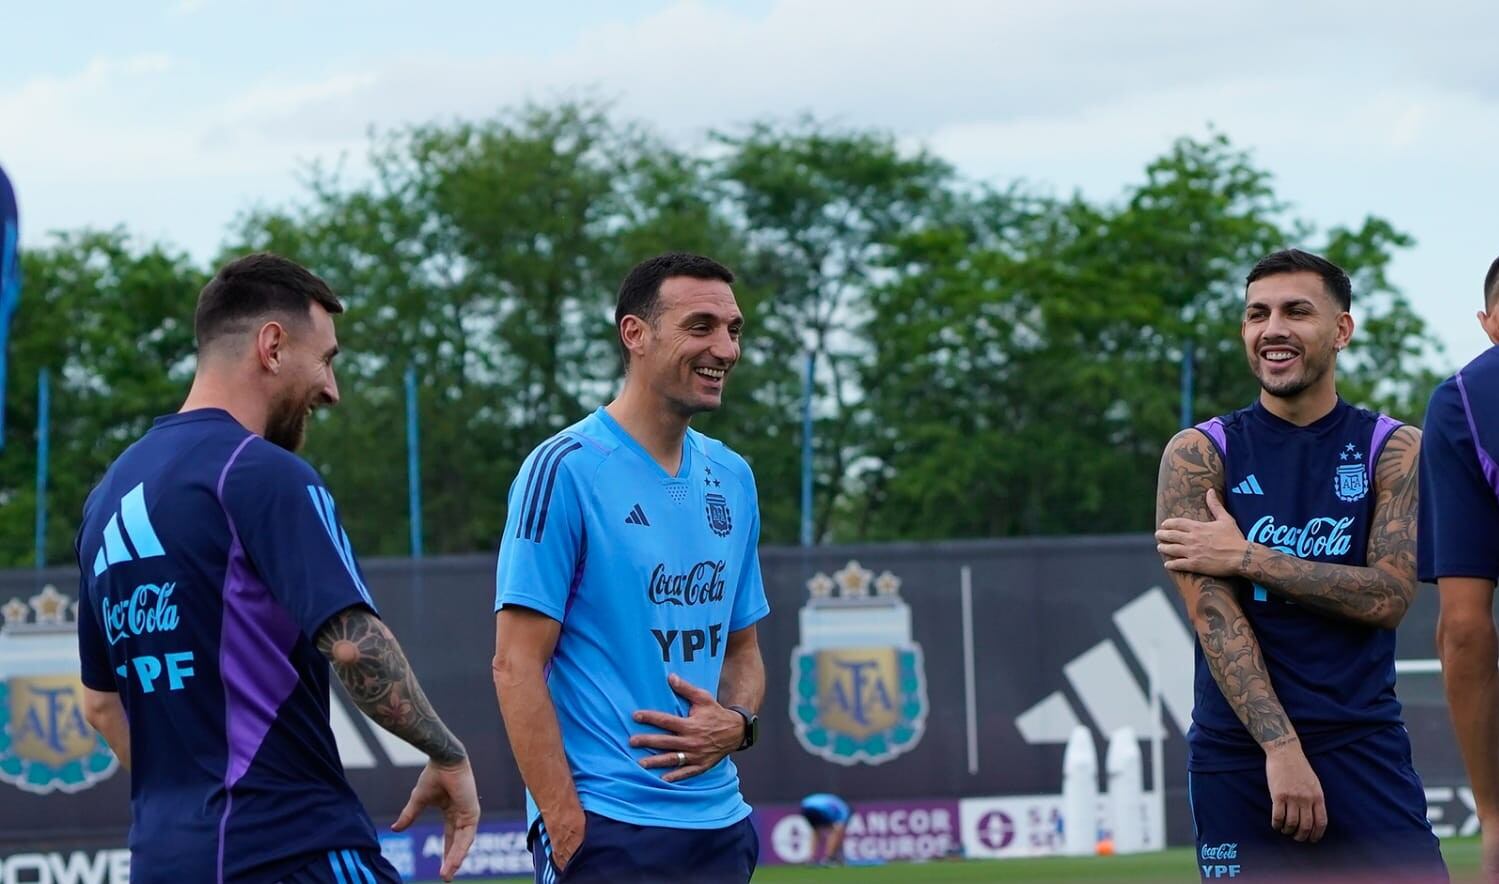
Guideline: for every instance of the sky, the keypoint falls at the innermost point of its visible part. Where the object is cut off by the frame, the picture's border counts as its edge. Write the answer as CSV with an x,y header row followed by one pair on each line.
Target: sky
x,y
171,117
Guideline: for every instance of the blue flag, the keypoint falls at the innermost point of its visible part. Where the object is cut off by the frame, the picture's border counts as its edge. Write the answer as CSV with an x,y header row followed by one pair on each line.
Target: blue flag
x,y
10,279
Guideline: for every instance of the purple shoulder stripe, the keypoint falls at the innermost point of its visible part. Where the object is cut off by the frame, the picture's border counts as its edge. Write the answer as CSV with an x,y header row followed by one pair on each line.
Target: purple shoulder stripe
x,y
1214,430
1383,427
1485,461
255,641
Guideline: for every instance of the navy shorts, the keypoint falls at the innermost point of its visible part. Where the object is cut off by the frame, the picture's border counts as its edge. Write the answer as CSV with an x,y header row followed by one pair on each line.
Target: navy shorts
x,y
1376,820
346,867
624,853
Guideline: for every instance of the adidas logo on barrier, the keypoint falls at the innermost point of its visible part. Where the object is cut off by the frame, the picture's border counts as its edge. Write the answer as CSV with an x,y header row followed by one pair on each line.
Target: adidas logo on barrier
x,y
1250,485
137,527
1103,682
637,517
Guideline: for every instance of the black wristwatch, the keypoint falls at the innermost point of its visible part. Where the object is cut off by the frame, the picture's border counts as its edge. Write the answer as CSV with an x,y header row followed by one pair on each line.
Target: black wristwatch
x,y
751,726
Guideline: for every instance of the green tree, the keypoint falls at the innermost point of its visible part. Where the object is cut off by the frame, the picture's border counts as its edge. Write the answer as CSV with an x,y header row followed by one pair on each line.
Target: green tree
x,y
821,208
111,320
486,254
1026,372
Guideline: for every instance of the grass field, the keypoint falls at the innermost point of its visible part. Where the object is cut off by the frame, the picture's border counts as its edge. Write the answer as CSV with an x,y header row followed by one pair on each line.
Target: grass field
x,y
1167,867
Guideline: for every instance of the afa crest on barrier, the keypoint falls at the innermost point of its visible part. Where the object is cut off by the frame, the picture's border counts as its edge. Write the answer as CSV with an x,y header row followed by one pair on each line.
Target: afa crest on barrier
x,y
858,686
45,744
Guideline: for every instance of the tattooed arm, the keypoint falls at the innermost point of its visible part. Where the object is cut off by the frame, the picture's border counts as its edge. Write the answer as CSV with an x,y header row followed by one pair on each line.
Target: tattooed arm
x,y
1190,469
1376,595
372,666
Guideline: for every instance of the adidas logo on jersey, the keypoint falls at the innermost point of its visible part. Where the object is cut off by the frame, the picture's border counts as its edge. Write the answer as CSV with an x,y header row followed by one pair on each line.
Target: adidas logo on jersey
x,y
637,517
137,527
1250,485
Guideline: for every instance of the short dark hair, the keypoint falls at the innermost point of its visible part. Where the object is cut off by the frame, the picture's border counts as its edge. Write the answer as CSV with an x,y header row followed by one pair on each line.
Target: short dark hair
x,y
640,293
1296,261
1491,286
254,286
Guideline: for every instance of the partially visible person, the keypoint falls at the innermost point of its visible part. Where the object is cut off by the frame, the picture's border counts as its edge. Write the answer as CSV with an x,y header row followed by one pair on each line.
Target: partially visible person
x,y
1459,551
217,585
828,814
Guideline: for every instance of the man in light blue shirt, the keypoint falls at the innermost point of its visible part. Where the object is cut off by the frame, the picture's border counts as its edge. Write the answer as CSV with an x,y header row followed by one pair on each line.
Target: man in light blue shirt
x,y
628,589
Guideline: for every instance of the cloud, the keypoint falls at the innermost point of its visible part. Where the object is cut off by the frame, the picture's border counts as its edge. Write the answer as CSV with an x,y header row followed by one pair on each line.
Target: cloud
x,y
1357,107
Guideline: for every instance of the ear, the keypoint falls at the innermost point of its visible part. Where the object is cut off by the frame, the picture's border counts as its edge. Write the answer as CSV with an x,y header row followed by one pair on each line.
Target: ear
x,y
1488,320
1345,330
635,333
270,346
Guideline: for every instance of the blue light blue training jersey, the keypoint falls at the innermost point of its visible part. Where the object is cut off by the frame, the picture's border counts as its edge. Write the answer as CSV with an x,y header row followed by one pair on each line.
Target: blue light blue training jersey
x,y
826,806
648,574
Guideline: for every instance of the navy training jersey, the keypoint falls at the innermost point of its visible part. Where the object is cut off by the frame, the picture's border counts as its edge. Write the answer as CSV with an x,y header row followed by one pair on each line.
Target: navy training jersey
x,y
1306,492
1458,535
209,559
649,574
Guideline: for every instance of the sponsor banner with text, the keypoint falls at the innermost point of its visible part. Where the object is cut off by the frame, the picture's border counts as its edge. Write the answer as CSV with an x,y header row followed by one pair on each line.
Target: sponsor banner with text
x,y
1031,825
877,831
499,850
82,866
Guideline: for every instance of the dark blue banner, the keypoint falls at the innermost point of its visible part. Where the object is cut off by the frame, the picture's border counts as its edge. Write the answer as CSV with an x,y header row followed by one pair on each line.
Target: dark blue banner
x,y
10,279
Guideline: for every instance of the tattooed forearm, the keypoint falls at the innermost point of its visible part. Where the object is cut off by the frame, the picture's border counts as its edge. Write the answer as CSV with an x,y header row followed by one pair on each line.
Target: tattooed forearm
x,y
371,665
1381,593
1189,468
1234,658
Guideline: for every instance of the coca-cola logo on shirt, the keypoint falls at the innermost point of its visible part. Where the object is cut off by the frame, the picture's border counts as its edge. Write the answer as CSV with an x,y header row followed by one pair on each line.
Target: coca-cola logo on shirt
x,y
701,584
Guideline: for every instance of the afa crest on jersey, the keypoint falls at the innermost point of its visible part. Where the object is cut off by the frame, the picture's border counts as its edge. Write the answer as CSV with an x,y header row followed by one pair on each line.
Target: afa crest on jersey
x,y
1351,482
858,686
719,517
45,743
715,505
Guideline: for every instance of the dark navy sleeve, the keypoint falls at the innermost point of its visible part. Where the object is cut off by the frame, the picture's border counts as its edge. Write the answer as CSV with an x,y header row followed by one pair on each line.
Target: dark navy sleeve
x,y
1458,530
93,646
287,522
542,545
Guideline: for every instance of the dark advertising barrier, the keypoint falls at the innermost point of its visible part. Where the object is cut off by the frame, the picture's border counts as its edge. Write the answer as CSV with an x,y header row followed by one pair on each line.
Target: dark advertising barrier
x,y
909,673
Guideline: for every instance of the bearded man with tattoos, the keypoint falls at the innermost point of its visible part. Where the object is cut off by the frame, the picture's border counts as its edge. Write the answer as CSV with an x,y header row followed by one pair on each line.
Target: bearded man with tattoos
x,y
1289,528
217,586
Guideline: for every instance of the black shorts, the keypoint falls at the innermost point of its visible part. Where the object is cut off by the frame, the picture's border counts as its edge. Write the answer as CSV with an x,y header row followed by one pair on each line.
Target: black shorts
x,y
624,853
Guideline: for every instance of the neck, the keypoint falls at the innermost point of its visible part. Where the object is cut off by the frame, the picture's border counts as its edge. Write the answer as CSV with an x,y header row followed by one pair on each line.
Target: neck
x,y
658,428
212,390
1306,407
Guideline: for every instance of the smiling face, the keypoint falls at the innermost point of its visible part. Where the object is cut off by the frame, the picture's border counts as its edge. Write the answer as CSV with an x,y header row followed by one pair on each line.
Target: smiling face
x,y
305,379
1293,330
686,352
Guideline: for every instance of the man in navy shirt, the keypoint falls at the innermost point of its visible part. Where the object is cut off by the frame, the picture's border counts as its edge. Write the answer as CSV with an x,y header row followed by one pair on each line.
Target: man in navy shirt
x,y
1460,552
216,585
1289,528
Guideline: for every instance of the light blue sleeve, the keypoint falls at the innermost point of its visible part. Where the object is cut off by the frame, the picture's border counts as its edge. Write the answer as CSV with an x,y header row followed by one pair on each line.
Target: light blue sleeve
x,y
542,547
750,604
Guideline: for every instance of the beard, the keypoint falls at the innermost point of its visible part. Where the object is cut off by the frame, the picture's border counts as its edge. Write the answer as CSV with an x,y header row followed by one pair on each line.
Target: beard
x,y
1311,373
286,425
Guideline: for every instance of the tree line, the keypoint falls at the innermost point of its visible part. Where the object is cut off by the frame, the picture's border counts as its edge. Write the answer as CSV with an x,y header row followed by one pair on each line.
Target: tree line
x,y
992,360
